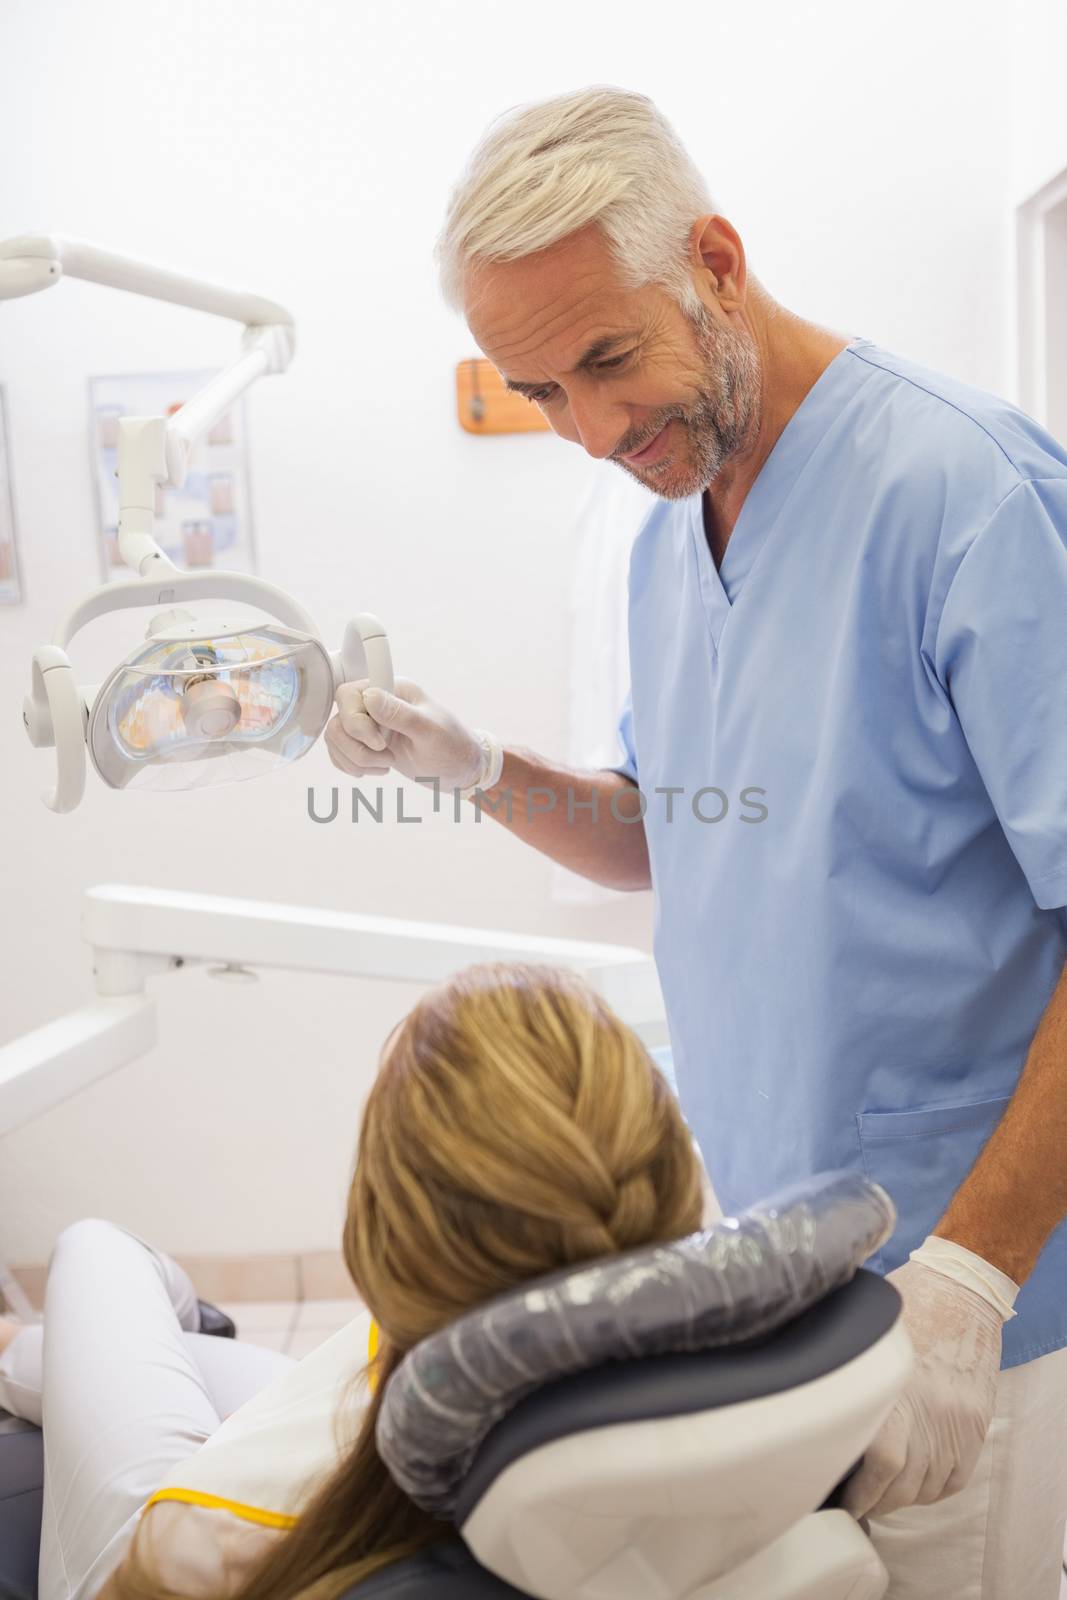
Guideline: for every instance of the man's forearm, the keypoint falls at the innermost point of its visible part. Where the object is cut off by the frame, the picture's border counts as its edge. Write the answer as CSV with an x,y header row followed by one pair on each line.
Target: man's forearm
x,y
589,821
1016,1192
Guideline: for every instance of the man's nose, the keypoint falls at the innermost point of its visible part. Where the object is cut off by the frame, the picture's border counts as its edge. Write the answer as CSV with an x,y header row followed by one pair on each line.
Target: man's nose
x,y
599,427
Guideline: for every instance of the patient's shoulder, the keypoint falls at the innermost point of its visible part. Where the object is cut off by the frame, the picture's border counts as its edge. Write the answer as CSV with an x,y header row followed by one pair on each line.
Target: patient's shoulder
x,y
202,1552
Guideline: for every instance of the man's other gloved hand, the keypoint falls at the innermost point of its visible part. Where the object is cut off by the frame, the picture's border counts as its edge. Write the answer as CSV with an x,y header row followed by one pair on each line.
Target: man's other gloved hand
x,y
375,731
955,1304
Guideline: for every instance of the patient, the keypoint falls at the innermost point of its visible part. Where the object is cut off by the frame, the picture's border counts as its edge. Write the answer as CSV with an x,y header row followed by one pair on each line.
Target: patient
x,y
516,1126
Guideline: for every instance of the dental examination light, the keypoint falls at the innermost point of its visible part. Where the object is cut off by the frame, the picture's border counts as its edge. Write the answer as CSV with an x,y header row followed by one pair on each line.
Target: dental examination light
x,y
198,700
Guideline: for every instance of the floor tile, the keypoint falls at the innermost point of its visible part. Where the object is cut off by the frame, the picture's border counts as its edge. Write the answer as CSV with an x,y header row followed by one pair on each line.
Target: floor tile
x,y
256,1278
265,1338
331,1314
261,1315
31,1280
324,1275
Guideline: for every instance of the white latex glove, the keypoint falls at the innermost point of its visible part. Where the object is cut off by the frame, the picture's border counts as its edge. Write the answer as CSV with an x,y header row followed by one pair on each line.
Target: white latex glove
x,y
375,731
955,1304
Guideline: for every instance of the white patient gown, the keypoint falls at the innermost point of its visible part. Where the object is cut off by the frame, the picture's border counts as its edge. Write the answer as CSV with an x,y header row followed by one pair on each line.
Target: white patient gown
x,y
216,1513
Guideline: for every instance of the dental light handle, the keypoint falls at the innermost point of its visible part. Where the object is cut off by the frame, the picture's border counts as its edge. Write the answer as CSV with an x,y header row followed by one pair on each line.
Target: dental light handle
x,y
54,687
365,653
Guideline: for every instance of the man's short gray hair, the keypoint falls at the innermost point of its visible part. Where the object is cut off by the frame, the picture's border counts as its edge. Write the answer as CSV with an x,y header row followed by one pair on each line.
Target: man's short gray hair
x,y
544,170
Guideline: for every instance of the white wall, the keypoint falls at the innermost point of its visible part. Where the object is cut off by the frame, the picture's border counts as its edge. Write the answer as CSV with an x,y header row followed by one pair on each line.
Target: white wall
x,y
306,150
1037,94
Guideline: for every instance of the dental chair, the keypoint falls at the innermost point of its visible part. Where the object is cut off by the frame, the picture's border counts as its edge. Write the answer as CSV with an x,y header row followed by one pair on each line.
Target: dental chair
x,y
674,1423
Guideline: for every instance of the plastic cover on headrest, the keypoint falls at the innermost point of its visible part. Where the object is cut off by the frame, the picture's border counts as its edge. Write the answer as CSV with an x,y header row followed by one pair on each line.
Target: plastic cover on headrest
x,y
743,1277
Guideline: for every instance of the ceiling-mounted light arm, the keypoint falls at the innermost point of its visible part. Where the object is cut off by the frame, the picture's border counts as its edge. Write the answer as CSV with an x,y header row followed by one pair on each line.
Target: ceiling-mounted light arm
x,y
37,260
155,450
264,350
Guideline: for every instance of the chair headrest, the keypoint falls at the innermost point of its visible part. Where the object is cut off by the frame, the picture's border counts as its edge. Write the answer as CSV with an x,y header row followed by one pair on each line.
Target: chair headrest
x,y
742,1278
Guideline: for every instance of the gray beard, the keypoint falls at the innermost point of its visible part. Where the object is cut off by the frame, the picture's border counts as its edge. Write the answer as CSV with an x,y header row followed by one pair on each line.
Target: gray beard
x,y
720,422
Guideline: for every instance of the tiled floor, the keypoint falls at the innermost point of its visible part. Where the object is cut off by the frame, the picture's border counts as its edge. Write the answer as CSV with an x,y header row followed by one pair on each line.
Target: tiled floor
x,y
294,1327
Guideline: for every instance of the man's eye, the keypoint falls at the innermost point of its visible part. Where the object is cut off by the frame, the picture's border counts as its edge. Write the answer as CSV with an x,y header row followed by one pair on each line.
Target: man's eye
x,y
541,396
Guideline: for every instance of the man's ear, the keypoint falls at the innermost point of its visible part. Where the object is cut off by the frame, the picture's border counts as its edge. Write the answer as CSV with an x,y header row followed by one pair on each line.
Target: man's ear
x,y
716,248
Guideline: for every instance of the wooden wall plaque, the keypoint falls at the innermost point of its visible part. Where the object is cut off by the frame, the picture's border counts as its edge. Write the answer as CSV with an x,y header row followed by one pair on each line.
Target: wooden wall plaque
x,y
485,406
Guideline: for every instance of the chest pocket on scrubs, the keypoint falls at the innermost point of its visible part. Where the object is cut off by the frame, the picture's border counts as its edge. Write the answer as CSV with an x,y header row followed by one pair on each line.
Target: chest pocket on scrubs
x,y
920,1158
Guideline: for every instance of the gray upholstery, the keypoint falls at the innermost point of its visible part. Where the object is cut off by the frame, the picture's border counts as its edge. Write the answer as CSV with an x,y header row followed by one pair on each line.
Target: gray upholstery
x,y
444,1572
21,1478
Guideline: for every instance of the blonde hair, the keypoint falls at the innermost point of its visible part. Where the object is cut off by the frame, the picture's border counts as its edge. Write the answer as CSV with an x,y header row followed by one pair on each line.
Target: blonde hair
x,y
516,1126
543,171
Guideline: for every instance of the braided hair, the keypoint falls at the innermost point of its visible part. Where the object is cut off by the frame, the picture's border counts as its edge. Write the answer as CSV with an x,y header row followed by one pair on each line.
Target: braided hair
x,y
516,1127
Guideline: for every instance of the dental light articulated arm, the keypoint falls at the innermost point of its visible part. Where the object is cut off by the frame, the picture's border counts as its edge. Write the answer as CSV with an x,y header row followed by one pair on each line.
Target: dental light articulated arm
x,y
155,450
138,933
47,1066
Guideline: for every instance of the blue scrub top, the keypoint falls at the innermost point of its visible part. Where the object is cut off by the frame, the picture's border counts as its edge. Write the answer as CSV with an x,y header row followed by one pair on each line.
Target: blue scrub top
x,y
859,890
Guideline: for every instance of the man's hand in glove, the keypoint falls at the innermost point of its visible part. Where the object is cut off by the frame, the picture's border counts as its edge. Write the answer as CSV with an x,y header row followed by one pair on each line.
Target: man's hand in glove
x,y
374,731
955,1304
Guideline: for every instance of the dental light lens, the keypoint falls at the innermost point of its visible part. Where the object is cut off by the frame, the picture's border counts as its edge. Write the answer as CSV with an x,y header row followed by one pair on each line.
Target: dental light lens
x,y
187,709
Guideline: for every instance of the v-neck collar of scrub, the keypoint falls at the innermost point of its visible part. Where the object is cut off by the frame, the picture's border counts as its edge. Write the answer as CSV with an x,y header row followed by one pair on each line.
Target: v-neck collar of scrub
x,y
720,587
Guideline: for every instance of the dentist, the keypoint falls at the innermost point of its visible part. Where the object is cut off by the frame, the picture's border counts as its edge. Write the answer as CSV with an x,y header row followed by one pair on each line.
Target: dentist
x,y
844,776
